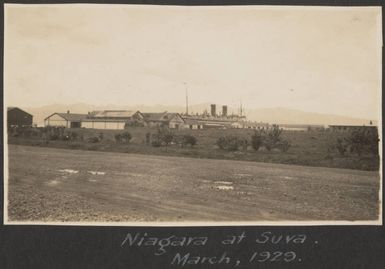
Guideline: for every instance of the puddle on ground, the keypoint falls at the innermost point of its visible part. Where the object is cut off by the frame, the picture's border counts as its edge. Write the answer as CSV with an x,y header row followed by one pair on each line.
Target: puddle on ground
x,y
286,177
226,188
223,182
96,173
70,171
53,182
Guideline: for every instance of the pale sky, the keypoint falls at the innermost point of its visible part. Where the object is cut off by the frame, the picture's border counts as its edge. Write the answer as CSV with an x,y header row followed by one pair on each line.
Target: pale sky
x,y
316,59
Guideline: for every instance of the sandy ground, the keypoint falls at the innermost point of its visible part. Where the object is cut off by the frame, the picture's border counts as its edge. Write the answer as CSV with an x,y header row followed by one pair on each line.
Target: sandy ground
x,y
48,184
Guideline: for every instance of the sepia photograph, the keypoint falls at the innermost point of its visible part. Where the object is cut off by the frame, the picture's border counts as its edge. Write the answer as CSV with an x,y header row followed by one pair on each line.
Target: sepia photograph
x,y
192,115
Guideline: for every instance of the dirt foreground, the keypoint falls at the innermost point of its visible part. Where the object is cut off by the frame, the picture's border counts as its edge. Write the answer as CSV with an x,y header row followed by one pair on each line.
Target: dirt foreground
x,y
60,185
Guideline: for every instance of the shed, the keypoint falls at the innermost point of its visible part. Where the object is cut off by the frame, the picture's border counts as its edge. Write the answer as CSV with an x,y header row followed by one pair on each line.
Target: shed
x,y
171,120
113,119
68,120
116,114
18,117
111,124
192,124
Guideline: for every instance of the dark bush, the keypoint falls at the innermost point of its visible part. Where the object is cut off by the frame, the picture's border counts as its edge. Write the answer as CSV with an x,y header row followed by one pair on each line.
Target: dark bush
x,y
272,137
167,139
93,139
53,137
257,139
363,140
269,138
53,132
164,136
156,140
244,143
123,137
221,142
283,145
73,135
27,132
341,146
148,138
230,143
156,143
189,140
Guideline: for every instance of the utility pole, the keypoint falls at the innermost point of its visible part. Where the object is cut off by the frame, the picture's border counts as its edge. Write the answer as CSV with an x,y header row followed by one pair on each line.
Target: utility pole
x,y
186,98
240,108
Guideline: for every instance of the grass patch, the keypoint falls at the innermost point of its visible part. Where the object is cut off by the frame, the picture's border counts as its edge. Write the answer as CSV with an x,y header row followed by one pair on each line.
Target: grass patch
x,y
308,148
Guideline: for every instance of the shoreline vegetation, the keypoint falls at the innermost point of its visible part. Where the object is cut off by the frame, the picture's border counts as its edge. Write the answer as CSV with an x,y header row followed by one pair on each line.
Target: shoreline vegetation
x,y
318,148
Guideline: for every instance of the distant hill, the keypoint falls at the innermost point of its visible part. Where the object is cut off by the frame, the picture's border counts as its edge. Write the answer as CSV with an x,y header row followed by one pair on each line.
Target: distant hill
x,y
293,116
277,115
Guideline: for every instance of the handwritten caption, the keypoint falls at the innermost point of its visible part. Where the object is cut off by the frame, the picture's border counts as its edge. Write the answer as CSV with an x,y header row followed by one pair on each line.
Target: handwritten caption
x,y
181,250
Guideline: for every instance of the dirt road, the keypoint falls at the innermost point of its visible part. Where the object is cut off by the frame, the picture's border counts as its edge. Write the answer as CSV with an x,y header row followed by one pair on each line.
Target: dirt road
x,y
47,184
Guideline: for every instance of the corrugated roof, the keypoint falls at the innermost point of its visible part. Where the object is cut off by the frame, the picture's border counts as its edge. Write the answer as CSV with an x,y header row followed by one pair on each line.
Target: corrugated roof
x,y
13,107
192,122
103,120
165,116
113,114
70,116
170,116
154,116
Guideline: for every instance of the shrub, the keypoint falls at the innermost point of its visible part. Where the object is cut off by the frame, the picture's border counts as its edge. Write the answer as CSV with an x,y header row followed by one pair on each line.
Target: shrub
x,y
269,138
230,143
156,143
167,139
272,137
94,139
372,140
257,139
244,143
359,141
363,140
53,137
73,135
53,132
155,140
164,136
123,137
283,145
341,146
148,138
27,132
118,137
189,140
126,137
221,142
